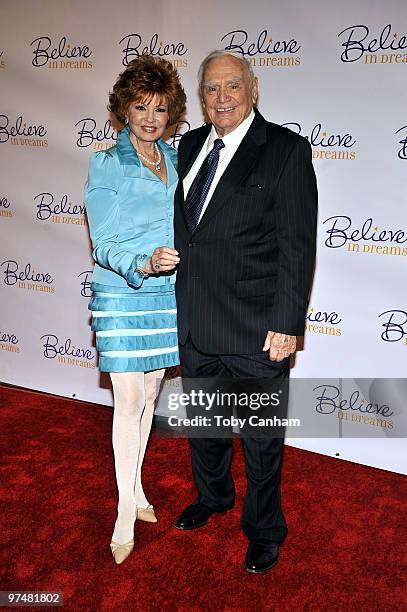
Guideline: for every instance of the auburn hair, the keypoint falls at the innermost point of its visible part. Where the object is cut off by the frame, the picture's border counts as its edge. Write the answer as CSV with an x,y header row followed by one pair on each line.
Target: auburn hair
x,y
143,78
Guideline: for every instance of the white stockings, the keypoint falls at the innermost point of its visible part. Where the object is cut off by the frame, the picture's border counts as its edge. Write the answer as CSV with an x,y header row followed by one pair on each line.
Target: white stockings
x,y
134,398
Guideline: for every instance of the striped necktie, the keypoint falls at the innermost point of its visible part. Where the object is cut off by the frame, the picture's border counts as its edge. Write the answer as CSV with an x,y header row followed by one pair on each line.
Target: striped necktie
x,y
200,186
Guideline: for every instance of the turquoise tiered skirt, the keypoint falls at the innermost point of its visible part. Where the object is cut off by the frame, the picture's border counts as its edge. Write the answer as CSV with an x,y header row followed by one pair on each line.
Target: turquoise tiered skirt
x,y
136,331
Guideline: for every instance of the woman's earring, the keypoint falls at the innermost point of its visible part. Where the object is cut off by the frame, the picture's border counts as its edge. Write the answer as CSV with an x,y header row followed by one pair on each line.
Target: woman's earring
x,y
126,121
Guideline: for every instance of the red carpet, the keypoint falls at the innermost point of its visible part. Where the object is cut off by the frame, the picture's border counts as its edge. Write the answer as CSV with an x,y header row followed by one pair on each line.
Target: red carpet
x,y
346,548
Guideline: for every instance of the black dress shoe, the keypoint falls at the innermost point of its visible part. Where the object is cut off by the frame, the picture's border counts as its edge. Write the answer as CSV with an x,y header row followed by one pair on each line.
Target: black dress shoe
x,y
194,516
260,557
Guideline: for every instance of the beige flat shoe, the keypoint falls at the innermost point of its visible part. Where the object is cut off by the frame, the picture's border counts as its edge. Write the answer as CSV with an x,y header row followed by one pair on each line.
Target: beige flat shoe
x,y
146,514
120,552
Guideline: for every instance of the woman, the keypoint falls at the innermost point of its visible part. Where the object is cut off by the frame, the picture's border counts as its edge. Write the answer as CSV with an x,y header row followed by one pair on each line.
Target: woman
x,y
129,201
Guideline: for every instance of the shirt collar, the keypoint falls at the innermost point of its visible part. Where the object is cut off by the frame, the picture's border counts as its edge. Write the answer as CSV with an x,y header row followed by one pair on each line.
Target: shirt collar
x,y
233,138
127,153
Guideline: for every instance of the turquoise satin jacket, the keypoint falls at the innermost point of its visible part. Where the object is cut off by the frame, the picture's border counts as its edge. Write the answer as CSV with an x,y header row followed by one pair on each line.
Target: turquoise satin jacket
x,y
130,213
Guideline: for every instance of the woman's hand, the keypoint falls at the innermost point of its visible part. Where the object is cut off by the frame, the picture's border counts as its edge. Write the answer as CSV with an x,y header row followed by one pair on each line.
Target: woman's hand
x,y
163,259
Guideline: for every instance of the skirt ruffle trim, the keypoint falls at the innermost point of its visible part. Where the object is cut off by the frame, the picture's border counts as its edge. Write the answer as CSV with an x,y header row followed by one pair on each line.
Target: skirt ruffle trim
x,y
138,364
136,343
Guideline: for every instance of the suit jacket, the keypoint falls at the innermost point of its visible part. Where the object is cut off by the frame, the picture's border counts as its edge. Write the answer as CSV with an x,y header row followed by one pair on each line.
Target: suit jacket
x,y
247,268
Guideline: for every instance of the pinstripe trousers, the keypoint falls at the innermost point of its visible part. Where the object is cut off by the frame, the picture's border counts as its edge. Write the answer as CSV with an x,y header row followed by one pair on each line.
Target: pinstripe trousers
x,y
262,516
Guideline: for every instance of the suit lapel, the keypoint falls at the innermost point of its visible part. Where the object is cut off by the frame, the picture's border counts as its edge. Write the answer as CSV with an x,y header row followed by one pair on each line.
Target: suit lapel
x,y
187,160
238,168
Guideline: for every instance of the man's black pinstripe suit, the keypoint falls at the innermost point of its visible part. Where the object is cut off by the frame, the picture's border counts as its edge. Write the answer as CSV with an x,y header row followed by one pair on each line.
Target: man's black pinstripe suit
x,y
246,270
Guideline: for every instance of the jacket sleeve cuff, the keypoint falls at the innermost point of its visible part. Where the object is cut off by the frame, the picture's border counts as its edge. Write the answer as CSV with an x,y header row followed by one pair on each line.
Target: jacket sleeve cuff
x,y
135,275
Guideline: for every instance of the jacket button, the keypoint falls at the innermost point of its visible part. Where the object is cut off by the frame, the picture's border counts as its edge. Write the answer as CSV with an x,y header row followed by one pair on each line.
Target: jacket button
x,y
190,244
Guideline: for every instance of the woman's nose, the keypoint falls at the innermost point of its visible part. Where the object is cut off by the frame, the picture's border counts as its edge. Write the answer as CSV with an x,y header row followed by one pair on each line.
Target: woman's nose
x,y
150,115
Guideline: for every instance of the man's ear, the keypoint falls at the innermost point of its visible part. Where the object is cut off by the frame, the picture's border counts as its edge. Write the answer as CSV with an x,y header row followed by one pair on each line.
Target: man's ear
x,y
255,90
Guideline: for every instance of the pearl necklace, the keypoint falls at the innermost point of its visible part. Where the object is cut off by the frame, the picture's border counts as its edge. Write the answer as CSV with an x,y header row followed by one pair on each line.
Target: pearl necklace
x,y
156,164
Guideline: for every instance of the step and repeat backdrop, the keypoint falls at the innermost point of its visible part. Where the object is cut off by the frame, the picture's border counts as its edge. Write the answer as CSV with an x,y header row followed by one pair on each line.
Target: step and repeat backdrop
x,y
335,73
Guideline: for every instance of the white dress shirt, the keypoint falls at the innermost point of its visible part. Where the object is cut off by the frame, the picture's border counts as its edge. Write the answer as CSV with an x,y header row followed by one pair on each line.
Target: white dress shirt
x,y
231,142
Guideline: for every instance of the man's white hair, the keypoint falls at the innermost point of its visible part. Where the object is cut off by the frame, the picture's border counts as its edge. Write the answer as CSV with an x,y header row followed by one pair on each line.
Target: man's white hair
x,y
223,53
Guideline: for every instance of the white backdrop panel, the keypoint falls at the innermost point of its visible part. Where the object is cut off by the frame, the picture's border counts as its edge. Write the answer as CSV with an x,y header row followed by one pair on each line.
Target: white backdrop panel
x,y
316,76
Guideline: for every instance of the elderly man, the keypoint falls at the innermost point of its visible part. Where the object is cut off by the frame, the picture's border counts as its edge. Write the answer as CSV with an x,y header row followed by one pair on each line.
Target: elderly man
x,y
245,230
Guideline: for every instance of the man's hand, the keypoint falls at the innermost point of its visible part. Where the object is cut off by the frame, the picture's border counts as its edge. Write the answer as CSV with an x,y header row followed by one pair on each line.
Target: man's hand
x,y
279,345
